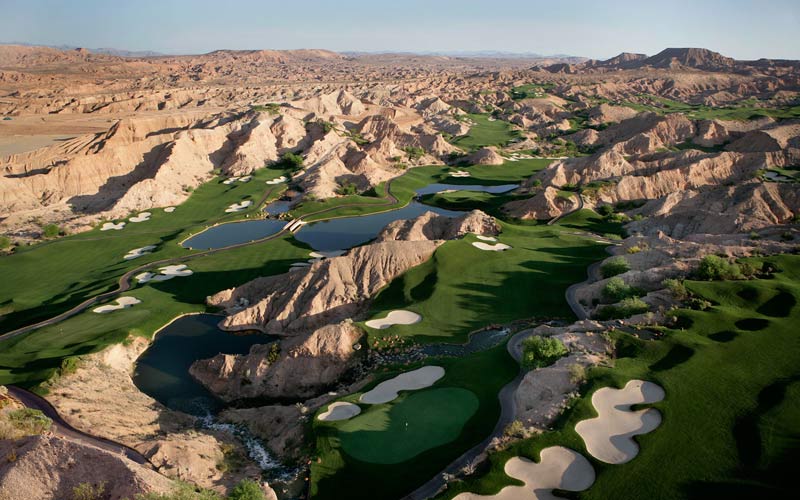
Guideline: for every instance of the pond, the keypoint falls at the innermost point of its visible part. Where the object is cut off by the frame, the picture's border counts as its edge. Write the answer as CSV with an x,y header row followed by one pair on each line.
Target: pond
x,y
347,232
162,371
234,233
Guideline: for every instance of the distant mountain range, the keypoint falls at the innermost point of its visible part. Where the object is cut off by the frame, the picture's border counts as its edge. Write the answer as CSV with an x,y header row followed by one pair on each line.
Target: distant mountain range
x,y
103,50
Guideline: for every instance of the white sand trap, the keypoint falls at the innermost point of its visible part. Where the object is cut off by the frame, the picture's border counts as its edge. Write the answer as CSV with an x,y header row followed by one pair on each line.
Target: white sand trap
x,y
165,273
246,178
142,217
395,318
559,468
609,436
169,210
108,226
230,180
277,180
408,381
327,254
120,303
497,247
238,207
138,252
339,411
460,173
485,238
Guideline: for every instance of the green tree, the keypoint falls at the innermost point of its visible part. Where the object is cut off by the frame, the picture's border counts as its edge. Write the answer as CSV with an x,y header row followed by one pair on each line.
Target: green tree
x,y
614,266
291,161
616,289
714,267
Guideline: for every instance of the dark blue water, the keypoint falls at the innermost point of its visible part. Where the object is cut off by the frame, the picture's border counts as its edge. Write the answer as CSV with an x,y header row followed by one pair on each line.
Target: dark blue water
x,y
278,207
437,188
347,232
162,371
234,233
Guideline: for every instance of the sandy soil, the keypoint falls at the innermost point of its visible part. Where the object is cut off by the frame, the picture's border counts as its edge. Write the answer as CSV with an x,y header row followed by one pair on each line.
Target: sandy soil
x,y
339,411
609,436
395,318
410,381
559,468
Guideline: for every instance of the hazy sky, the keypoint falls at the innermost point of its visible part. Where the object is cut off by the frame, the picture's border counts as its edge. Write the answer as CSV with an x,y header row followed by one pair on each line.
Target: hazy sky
x,y
745,29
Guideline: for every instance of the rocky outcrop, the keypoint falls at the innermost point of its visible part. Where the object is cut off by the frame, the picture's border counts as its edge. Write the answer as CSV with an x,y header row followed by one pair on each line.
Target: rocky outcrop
x,y
49,468
484,156
280,427
326,292
545,204
300,368
431,226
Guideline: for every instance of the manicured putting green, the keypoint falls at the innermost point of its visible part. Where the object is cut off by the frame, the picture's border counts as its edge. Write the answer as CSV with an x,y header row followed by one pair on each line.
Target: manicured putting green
x,y
394,433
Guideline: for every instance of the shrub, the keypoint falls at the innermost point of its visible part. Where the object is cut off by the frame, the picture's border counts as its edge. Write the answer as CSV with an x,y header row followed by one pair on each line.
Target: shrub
x,y
624,309
51,230
5,242
614,266
605,210
538,352
714,267
616,289
69,365
183,491
577,373
272,108
28,421
413,152
247,490
347,188
676,287
274,352
290,161
514,429
89,491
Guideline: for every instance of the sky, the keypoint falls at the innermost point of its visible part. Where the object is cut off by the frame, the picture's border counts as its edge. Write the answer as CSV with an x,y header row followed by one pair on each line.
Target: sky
x,y
744,29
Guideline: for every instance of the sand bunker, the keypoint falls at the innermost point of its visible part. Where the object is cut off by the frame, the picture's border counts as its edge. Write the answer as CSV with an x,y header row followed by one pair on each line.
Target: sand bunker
x,y
246,178
120,303
108,226
395,318
277,181
559,468
327,254
497,247
339,411
409,381
142,217
460,173
169,210
238,207
609,436
485,238
138,252
165,273
230,180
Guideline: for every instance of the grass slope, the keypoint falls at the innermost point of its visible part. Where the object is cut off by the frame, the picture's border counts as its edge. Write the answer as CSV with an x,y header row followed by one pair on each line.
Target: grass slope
x,y
486,133
731,426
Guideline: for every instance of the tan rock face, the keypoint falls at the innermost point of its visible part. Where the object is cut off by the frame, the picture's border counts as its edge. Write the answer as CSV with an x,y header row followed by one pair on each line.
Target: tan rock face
x,y
303,367
280,427
431,226
49,467
485,156
326,292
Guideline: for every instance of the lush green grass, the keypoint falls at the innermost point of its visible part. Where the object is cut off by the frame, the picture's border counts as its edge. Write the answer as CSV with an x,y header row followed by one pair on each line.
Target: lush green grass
x,y
44,280
415,422
463,288
589,220
337,474
746,110
403,187
531,90
486,133
471,200
32,358
731,426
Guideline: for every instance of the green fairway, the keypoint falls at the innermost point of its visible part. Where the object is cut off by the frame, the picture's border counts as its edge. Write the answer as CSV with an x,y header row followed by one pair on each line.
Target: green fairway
x,y
398,431
730,427
745,110
486,132
32,358
44,280
455,414
463,288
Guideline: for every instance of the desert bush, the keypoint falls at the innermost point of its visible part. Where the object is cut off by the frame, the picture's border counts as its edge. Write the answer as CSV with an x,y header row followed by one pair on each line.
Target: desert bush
x,y
676,287
714,267
623,309
616,289
413,152
347,188
182,491
89,491
5,242
51,230
538,352
577,373
290,161
247,490
614,266
514,429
